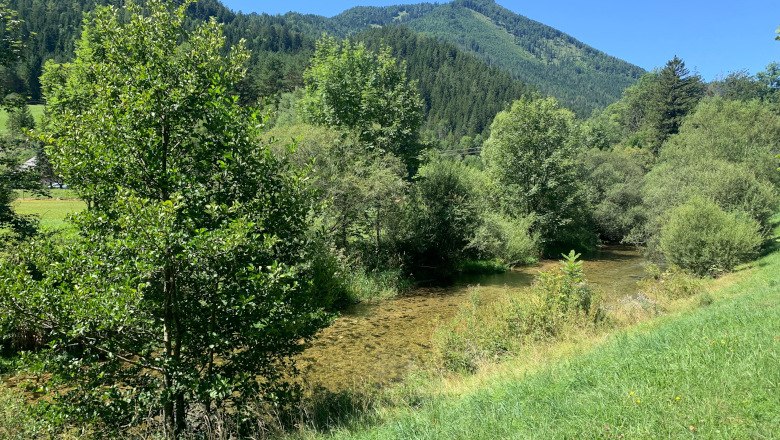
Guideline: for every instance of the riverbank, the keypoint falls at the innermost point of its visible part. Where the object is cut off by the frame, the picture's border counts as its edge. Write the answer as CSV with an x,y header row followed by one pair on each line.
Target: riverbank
x,y
709,370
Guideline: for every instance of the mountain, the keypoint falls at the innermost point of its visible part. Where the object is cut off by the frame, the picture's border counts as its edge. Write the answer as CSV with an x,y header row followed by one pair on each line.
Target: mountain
x,y
581,77
470,58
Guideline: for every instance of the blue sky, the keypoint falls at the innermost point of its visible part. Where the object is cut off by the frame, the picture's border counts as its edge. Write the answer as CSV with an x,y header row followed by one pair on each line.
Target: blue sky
x,y
713,37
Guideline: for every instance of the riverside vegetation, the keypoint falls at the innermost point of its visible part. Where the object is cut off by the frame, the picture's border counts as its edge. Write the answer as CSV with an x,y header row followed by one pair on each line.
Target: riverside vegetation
x,y
212,239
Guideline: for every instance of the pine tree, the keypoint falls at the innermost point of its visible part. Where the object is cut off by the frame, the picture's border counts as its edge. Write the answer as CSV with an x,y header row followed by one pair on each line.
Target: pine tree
x,y
676,93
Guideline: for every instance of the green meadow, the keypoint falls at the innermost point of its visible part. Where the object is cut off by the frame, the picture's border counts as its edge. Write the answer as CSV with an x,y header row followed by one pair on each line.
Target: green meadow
x,y
37,112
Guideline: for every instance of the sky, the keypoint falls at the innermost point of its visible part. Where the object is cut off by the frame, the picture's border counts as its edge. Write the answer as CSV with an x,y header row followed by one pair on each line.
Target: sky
x,y
713,37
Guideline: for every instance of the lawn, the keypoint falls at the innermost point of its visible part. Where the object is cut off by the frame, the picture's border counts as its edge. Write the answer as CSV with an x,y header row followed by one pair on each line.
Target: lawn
x,y
37,112
52,212
709,373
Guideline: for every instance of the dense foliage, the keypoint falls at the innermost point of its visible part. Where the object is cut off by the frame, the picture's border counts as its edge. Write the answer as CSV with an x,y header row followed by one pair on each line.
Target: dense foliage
x,y
12,145
705,239
187,217
461,95
531,153
366,93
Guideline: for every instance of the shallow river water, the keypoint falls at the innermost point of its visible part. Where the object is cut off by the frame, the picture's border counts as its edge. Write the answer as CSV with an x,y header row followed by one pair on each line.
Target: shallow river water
x,y
380,342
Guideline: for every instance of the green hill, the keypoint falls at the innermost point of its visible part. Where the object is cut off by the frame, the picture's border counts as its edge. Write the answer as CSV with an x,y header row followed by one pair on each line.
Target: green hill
x,y
580,76
517,53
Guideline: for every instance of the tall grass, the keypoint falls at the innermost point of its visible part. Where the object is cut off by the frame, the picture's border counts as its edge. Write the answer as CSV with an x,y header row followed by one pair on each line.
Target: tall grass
x,y
710,372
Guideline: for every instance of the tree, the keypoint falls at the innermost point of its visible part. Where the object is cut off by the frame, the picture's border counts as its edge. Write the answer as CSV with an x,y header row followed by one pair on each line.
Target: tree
x,y
10,44
676,93
352,88
188,284
11,175
531,153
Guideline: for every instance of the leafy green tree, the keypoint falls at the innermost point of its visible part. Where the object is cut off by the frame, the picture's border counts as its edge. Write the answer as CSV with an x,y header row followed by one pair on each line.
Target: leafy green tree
x,y
613,180
739,85
187,287
352,88
531,152
444,215
361,191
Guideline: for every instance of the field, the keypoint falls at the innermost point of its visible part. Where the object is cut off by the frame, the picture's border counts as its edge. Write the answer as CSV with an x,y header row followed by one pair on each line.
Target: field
x,y
53,211
710,372
37,111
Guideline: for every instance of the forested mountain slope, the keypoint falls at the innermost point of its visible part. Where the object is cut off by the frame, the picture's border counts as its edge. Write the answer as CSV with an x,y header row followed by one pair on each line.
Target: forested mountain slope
x,y
470,58
582,77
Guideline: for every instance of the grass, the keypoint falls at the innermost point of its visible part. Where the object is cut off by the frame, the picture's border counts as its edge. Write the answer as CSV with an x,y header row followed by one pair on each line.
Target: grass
x,y
36,110
710,372
51,212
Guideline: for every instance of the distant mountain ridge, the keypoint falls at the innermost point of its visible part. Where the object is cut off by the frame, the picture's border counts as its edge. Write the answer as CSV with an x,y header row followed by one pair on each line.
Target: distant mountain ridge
x,y
470,57
582,77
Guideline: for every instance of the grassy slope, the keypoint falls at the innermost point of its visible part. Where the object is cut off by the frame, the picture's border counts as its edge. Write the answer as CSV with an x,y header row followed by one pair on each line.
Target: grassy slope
x,y
37,112
709,373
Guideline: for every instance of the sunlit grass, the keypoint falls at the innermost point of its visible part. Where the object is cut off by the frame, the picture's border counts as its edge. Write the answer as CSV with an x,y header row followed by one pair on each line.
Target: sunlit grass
x,y
36,110
52,213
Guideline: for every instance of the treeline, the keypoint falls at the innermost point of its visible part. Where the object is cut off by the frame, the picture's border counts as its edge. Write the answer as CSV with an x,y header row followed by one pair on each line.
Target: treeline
x,y
688,171
580,77
461,93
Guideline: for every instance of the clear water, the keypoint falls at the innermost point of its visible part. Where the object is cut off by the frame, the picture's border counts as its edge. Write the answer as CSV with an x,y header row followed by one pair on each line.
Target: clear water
x,y
378,343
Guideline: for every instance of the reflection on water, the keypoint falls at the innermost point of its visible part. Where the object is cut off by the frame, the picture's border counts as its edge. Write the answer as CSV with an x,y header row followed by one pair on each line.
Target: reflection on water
x,y
376,343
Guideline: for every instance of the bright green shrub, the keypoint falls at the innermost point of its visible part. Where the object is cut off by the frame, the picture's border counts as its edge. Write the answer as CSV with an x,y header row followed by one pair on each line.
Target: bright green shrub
x,y
703,238
507,239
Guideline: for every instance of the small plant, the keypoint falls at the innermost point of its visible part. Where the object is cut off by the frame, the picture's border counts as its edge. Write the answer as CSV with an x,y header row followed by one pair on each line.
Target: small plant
x,y
478,332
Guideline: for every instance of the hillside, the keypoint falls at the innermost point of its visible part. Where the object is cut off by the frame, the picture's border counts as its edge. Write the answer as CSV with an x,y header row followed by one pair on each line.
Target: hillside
x,y
582,77
516,54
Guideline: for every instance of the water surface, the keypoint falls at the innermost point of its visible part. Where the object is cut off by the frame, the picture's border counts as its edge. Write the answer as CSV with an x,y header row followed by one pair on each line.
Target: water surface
x,y
380,342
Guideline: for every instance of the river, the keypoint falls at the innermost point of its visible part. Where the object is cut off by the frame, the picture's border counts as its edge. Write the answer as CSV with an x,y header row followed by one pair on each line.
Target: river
x,y
375,343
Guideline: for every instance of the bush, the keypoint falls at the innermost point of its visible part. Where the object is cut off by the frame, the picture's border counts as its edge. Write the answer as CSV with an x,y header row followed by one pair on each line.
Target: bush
x,y
732,186
443,215
561,298
507,239
701,237
670,284
479,332
614,184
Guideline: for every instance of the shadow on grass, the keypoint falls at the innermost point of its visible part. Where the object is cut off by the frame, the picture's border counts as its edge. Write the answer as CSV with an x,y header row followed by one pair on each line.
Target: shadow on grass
x,y
323,410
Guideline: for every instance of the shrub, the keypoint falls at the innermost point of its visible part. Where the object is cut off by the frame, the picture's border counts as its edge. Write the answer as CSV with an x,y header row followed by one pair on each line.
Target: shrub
x,y
701,237
481,331
614,184
671,284
507,239
732,186
441,218
561,298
